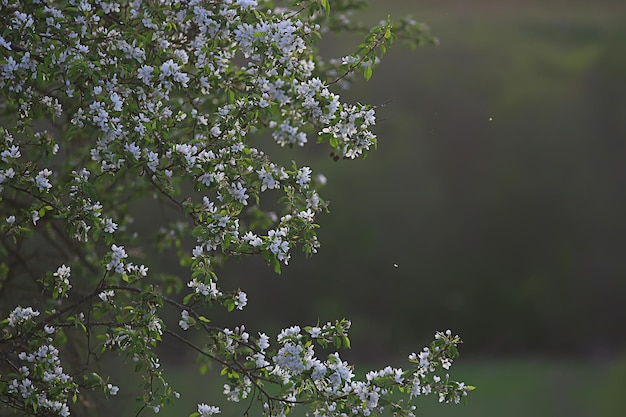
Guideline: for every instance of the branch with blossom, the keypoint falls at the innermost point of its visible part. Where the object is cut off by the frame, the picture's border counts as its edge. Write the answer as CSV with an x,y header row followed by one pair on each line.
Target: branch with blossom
x,y
106,104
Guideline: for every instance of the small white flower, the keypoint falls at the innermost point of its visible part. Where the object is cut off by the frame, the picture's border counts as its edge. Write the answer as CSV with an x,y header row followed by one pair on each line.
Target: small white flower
x,y
13,153
42,181
182,78
252,239
134,150
168,68
304,176
110,226
315,331
117,102
4,43
239,193
143,270
263,342
207,410
145,73
184,321
106,295
242,300
197,252
62,283
307,215
182,56
113,389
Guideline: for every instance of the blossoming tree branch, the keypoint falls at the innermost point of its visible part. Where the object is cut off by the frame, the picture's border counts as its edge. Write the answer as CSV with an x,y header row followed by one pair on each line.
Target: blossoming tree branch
x,y
107,103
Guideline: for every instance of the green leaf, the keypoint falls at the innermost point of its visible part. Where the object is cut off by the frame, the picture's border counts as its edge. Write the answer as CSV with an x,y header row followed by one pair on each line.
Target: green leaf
x,y
98,378
276,264
337,341
346,342
187,298
367,72
326,5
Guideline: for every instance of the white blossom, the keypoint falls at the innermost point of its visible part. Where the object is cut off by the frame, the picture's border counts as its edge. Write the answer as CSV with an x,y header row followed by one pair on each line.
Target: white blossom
x,y
106,295
113,389
165,102
242,300
21,315
41,180
206,410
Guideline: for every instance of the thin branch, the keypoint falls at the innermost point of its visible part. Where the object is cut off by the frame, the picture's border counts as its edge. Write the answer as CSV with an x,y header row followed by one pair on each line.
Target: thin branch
x,y
166,194
195,347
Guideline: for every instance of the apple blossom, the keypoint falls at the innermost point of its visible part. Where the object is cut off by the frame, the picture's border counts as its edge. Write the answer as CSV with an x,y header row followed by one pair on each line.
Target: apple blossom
x,y
107,106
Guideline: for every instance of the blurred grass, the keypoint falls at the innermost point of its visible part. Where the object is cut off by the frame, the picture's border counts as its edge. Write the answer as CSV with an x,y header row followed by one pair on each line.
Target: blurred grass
x,y
505,387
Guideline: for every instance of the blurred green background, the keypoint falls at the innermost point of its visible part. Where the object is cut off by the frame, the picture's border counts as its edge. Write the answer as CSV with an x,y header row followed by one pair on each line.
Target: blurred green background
x,y
498,189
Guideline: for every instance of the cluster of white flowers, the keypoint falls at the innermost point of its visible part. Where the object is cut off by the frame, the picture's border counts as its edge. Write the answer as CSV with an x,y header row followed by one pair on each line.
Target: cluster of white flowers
x,y
62,280
184,320
241,300
207,410
42,382
334,378
276,48
279,244
271,176
155,325
21,315
118,254
41,180
233,339
107,296
207,289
